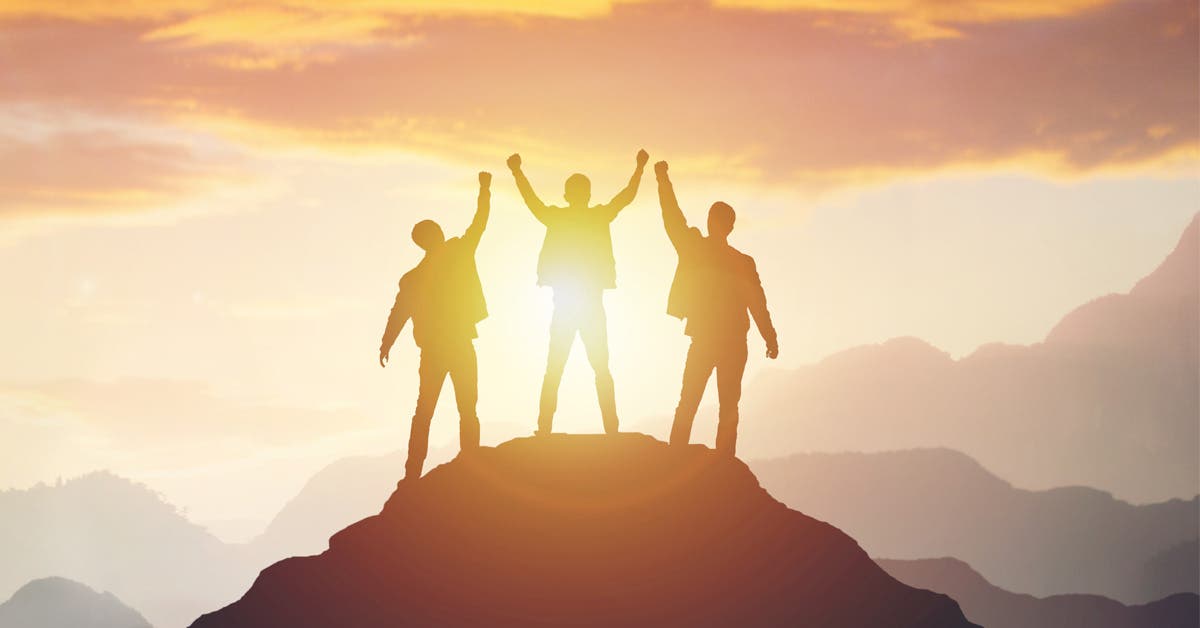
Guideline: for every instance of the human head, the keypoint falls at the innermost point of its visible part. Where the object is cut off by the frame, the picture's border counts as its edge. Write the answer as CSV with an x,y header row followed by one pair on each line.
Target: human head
x,y
428,235
578,190
720,219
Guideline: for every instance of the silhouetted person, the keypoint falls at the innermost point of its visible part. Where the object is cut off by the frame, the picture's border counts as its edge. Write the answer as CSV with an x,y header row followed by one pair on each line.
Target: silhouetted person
x,y
715,286
576,261
443,297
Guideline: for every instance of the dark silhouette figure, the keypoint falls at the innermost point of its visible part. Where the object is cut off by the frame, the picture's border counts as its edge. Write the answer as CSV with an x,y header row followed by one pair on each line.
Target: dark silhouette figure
x,y
443,297
576,261
715,286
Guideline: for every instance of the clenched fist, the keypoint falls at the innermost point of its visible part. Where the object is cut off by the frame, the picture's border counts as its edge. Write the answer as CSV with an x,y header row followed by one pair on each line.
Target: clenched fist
x,y
514,161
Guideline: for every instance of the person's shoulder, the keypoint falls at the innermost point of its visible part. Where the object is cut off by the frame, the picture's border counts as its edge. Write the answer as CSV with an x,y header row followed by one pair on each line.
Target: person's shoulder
x,y
745,260
458,247
409,277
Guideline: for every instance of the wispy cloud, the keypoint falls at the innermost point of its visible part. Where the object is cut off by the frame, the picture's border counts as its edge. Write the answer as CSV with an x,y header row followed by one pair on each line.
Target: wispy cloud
x,y
61,162
806,93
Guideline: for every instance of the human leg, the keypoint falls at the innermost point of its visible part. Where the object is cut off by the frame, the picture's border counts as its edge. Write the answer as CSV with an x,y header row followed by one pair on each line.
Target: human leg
x,y
593,331
562,334
464,374
432,373
696,370
731,366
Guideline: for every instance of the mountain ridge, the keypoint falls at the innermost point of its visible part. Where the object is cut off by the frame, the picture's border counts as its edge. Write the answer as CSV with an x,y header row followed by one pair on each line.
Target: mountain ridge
x,y
586,530
56,602
994,607
1107,400
1055,541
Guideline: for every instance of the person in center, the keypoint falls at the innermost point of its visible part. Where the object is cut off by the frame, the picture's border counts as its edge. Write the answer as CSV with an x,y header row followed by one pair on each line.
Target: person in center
x,y
577,263
715,286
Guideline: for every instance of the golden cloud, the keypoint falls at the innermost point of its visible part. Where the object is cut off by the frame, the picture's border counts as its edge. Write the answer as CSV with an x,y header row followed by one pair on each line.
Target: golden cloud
x,y
929,19
784,95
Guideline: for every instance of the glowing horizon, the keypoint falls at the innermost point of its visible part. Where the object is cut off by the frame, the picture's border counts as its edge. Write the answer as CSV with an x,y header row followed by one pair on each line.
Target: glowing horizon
x,y
210,206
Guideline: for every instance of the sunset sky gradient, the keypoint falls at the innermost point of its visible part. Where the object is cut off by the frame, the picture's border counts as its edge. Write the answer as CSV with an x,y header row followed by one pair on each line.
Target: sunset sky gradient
x,y
204,208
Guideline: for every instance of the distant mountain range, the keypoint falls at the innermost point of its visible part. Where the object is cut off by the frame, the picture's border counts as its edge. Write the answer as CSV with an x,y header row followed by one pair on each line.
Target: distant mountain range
x,y
118,536
61,603
989,605
937,502
1109,400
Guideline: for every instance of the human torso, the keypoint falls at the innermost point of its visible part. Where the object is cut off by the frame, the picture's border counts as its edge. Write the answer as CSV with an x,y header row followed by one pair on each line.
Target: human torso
x,y
714,283
446,298
577,251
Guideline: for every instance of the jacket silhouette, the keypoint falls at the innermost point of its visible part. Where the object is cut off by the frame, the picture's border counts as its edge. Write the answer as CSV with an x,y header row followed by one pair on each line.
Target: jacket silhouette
x,y
717,290
576,261
443,298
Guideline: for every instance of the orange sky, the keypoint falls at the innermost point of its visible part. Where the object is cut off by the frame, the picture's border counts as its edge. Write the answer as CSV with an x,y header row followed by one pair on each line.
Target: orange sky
x,y
207,205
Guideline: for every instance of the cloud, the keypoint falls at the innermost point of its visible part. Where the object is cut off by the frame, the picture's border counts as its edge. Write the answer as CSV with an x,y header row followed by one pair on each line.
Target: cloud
x,y
95,10
929,19
810,95
79,172
56,163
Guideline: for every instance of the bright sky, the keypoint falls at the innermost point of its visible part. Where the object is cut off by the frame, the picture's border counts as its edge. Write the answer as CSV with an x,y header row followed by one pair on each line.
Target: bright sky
x,y
204,210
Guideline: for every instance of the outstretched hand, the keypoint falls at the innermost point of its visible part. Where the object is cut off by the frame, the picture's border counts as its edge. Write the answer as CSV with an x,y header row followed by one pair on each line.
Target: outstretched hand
x,y
773,351
383,358
485,179
660,169
642,158
514,162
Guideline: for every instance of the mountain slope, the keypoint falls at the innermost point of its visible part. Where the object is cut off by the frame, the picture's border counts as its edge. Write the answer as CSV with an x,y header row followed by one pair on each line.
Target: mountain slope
x,y
1108,400
62,603
118,536
1066,540
994,607
586,530
338,495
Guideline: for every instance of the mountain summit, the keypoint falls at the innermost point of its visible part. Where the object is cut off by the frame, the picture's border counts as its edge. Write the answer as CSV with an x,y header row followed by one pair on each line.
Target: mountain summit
x,y
586,530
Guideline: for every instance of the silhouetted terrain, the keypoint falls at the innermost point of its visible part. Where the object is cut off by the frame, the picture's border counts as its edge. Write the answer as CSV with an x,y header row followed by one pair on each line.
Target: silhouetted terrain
x,y
62,603
1166,570
1108,400
1066,540
338,495
121,537
586,530
345,491
994,607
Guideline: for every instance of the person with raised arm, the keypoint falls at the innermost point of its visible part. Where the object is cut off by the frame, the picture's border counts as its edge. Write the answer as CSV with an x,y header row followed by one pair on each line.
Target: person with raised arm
x,y
577,262
716,289
443,297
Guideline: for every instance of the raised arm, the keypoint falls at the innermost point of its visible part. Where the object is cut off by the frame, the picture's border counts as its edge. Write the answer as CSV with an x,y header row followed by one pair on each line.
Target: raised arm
x,y
673,220
399,315
626,196
532,201
482,209
762,317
